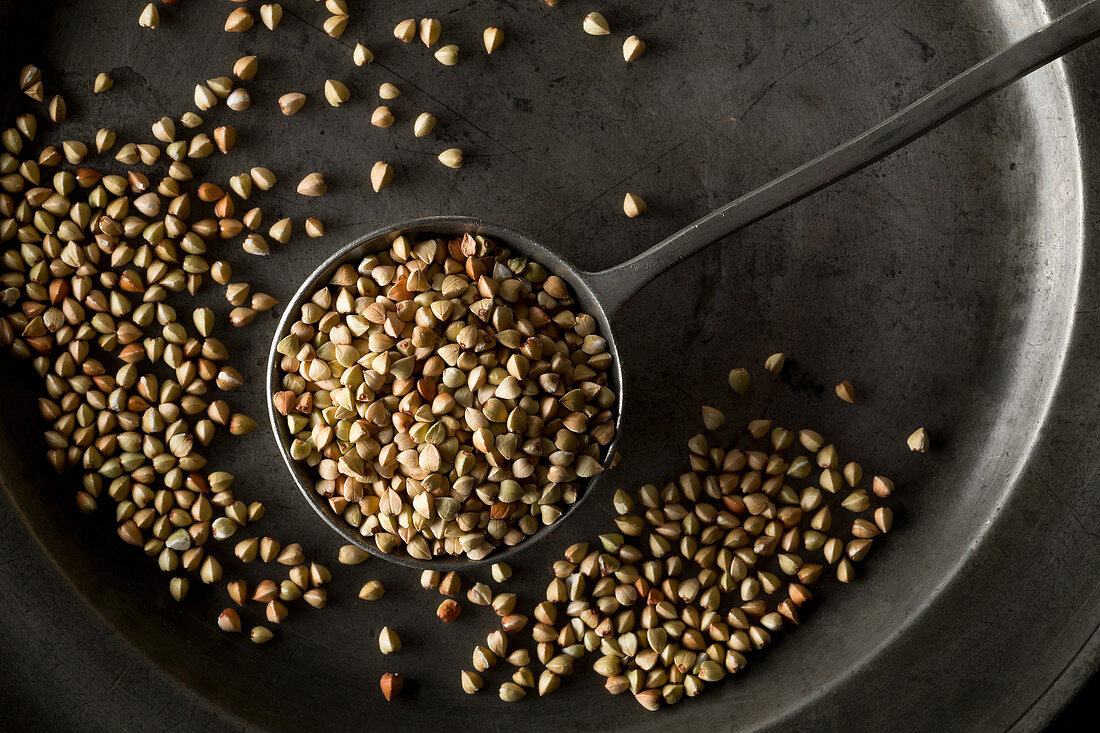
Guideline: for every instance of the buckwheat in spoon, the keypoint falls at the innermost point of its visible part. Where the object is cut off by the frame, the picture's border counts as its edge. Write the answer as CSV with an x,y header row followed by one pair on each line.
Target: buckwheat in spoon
x,y
446,391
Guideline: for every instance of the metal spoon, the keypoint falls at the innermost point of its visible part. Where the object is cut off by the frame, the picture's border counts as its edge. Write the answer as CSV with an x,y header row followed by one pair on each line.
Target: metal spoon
x,y
603,293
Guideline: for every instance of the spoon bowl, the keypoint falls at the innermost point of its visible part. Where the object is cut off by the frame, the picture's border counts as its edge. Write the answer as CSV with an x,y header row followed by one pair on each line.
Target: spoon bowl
x,y
444,227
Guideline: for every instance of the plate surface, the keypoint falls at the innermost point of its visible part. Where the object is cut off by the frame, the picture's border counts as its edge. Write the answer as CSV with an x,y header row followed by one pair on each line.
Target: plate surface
x,y
953,283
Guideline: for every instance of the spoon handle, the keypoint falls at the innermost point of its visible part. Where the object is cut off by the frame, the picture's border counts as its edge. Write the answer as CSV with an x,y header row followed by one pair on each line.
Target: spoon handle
x,y
615,285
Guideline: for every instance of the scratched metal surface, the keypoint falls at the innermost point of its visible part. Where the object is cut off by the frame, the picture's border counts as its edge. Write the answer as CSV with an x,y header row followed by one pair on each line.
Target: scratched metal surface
x,y
953,283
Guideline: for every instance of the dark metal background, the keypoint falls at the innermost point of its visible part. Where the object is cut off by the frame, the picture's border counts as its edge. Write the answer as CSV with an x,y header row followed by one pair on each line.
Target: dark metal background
x,y
953,283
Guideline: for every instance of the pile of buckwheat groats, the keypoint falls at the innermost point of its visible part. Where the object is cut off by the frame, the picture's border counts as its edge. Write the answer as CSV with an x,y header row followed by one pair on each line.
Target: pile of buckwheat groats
x,y
448,394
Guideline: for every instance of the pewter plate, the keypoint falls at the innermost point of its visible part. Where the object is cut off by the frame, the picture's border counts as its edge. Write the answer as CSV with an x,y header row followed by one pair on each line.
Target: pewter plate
x,y
953,283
